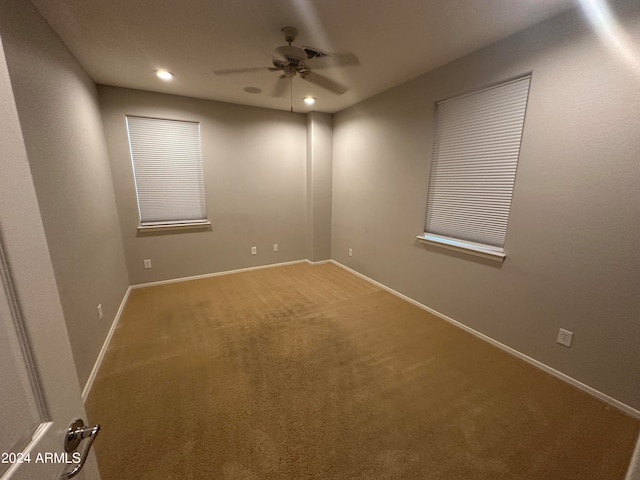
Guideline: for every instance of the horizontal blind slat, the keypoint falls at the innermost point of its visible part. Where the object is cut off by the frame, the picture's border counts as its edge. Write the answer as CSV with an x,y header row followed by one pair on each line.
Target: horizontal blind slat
x,y
167,163
474,161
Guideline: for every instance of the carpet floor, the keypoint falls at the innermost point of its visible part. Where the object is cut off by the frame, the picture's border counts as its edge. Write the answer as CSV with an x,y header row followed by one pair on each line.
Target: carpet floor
x,y
309,372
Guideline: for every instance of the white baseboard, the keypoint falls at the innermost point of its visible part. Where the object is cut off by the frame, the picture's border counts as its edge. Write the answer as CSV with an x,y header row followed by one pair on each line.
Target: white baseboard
x,y
586,388
634,468
590,390
319,262
103,350
107,340
216,274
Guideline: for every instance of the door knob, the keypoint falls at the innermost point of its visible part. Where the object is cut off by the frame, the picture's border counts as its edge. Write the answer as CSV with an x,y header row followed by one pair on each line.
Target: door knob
x,y
77,432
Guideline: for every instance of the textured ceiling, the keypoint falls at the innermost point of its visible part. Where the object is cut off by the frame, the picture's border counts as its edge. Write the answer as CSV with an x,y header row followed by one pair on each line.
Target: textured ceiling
x,y
122,42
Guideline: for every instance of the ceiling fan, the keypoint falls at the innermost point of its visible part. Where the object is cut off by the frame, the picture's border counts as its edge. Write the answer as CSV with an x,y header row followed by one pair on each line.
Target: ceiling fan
x,y
302,61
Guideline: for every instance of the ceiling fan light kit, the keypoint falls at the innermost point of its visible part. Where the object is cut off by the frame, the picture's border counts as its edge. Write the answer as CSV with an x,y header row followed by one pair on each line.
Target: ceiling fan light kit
x,y
294,61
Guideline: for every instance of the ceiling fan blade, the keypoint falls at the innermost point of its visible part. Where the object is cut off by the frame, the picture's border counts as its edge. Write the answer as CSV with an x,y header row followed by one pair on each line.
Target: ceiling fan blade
x,y
338,60
230,71
280,86
324,82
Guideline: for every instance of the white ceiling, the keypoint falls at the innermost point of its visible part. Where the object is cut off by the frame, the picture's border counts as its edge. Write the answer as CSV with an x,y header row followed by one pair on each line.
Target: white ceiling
x,y
122,42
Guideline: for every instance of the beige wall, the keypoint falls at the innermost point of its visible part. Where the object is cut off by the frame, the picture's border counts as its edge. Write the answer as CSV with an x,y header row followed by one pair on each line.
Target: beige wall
x,y
572,254
572,260
254,168
319,168
27,266
60,119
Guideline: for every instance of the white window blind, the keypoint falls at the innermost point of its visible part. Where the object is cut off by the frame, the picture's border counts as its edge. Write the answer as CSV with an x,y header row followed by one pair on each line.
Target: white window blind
x,y
473,167
167,164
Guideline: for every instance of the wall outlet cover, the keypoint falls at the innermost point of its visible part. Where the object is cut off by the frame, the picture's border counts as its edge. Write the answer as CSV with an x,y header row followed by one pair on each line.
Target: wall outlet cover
x,y
565,337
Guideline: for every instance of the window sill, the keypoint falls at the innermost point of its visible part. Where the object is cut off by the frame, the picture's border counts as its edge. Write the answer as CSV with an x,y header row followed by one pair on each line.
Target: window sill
x,y
491,253
166,227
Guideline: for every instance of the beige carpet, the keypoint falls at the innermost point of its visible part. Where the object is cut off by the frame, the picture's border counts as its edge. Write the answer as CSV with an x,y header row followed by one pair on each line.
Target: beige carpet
x,y
308,372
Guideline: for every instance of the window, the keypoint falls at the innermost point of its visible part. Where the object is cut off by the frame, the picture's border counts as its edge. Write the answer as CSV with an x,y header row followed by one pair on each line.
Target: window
x,y
167,166
473,168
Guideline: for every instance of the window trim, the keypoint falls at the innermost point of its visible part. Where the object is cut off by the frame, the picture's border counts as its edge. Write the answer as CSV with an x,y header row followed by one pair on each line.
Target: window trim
x,y
164,227
484,251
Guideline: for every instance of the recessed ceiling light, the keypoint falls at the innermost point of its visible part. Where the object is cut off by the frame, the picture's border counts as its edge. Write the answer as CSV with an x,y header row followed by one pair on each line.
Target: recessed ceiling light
x,y
164,74
309,100
252,90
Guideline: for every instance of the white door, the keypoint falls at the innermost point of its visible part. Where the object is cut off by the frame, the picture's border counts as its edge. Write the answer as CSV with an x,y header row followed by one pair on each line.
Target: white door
x,y
39,390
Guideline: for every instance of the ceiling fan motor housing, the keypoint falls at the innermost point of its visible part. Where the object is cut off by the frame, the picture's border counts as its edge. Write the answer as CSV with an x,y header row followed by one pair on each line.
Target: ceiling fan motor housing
x,y
288,56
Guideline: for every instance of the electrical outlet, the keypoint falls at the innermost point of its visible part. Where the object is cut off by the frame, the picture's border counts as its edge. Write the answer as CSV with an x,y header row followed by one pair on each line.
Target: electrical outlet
x,y
350,252
275,247
100,312
254,250
147,263
565,337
